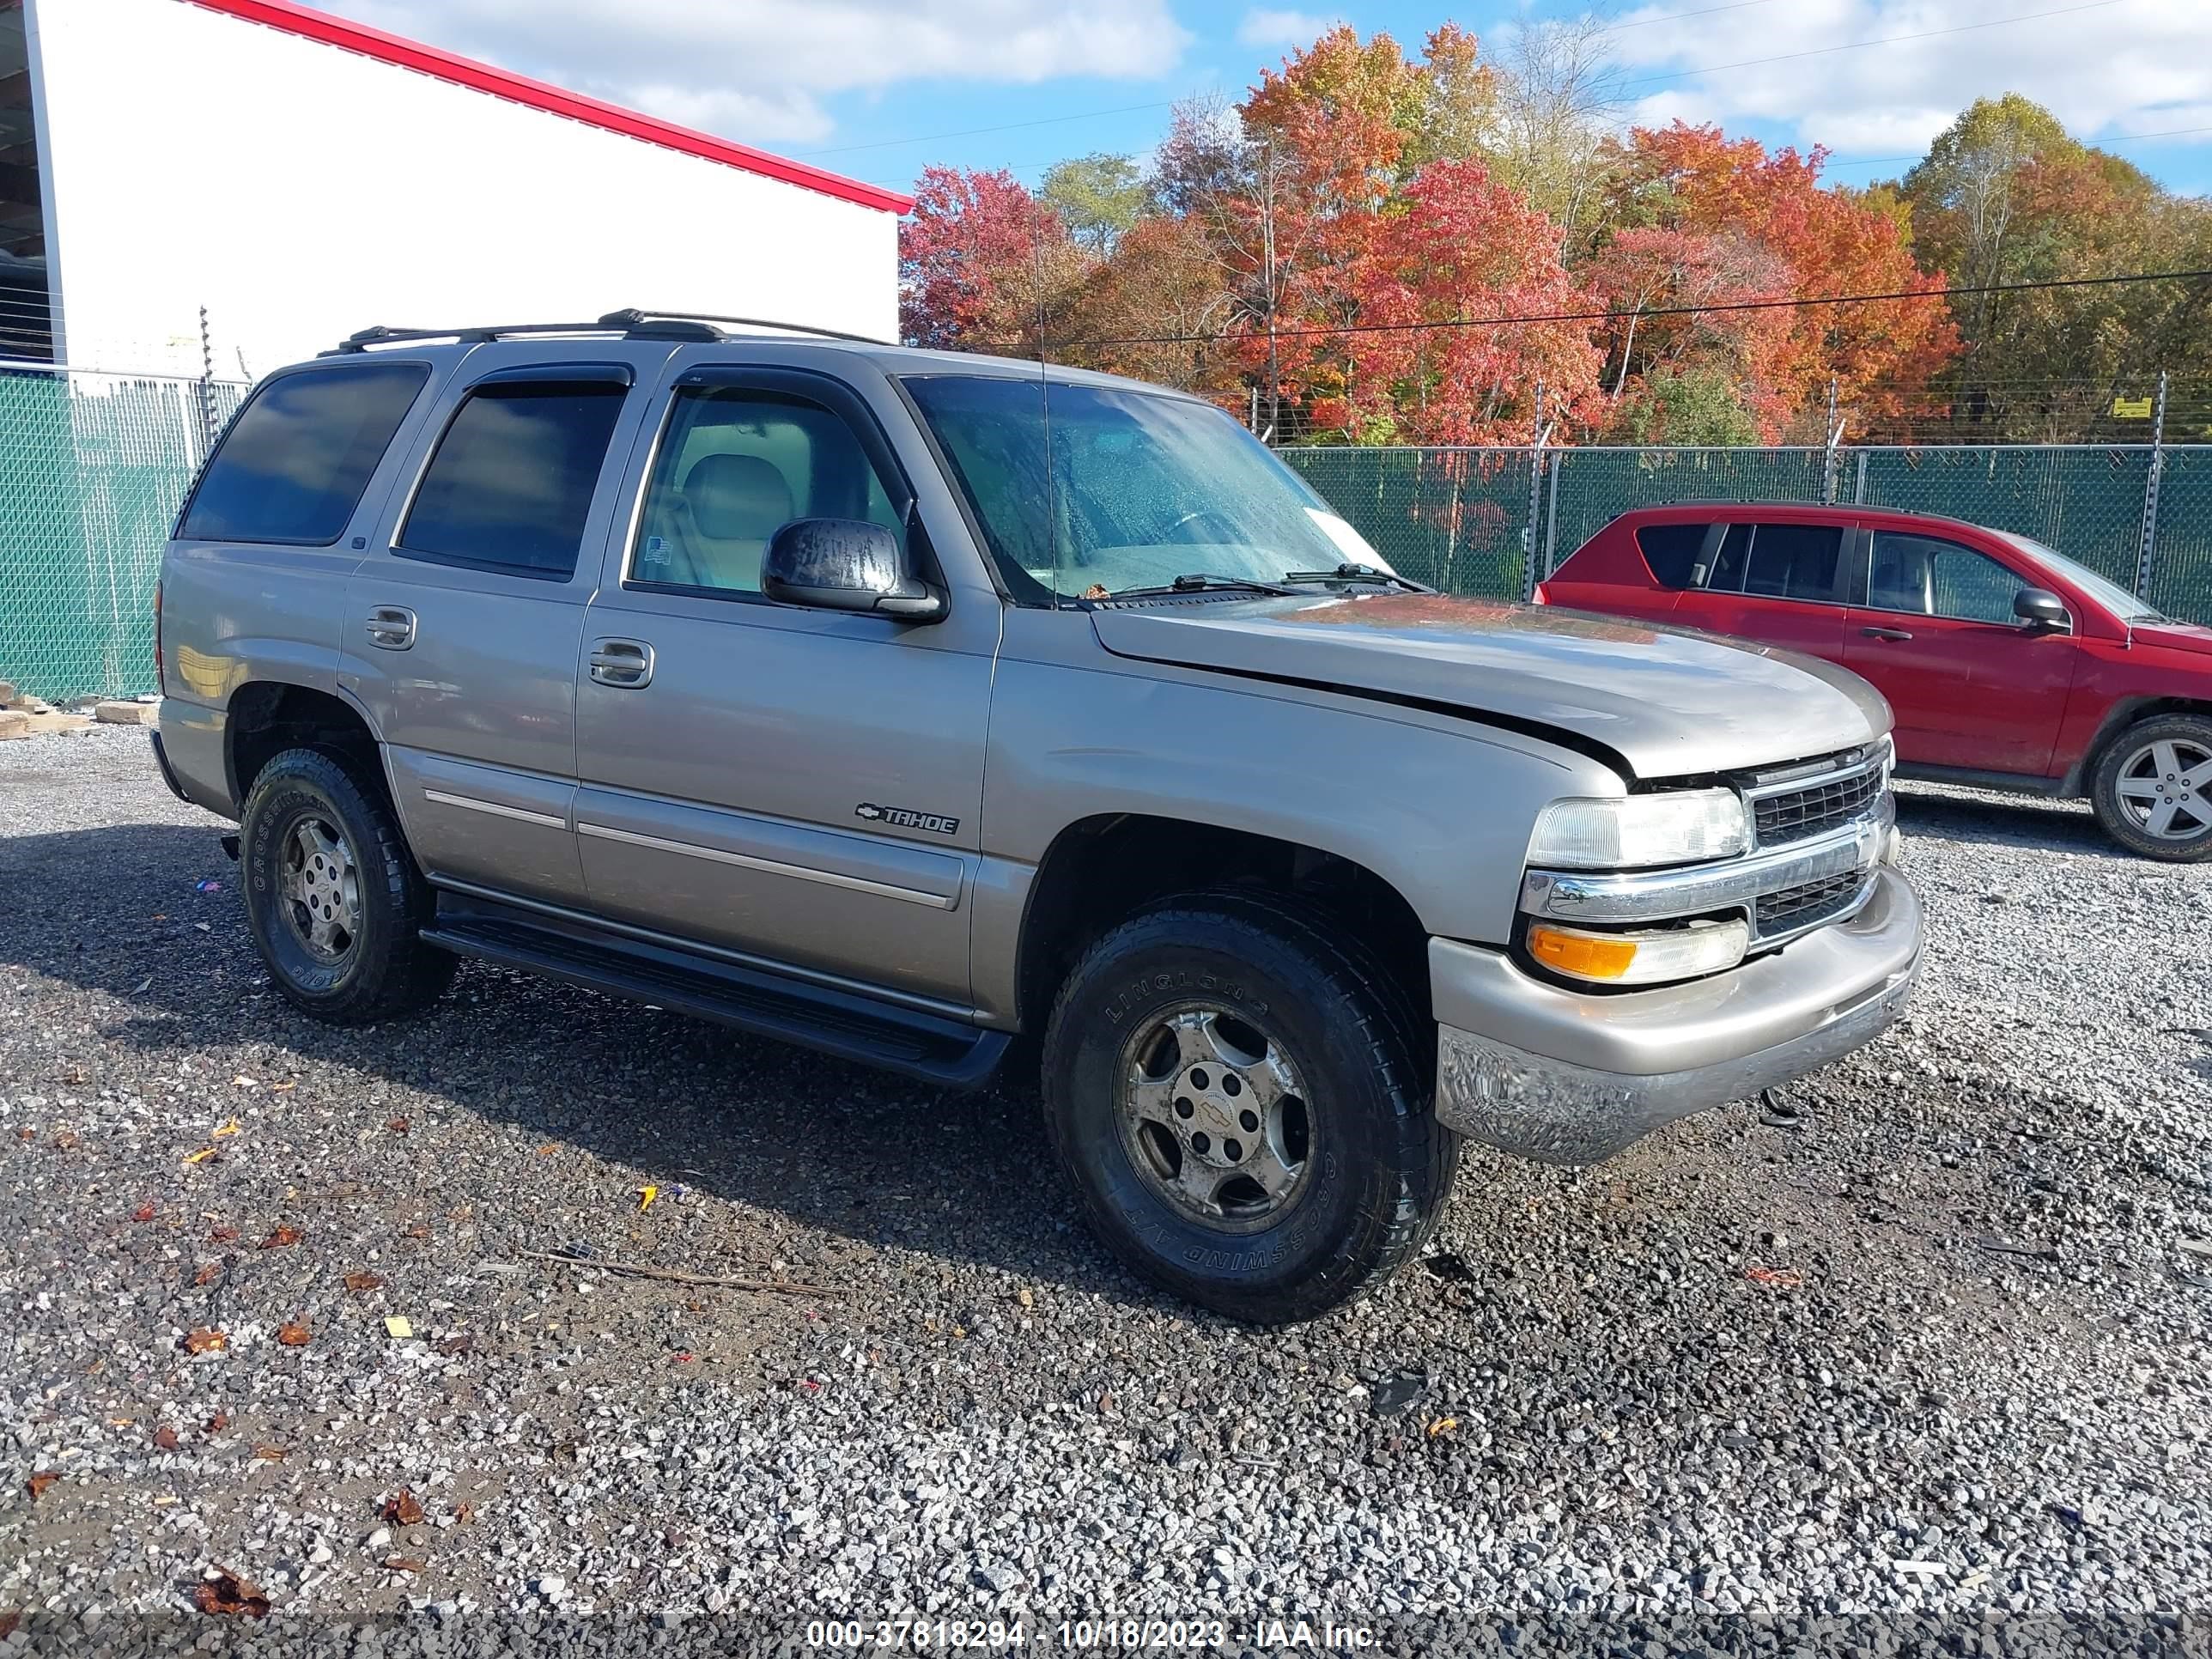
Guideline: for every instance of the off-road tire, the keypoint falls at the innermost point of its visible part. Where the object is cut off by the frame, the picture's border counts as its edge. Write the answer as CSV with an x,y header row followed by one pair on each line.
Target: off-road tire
x,y
387,971
2111,812
1381,1167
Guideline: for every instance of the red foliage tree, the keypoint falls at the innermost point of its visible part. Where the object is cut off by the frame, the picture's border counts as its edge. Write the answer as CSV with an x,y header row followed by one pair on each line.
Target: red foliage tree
x,y
980,259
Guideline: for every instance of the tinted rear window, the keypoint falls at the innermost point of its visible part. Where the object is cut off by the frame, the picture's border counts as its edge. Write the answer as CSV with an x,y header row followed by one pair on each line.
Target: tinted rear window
x,y
511,484
1779,561
293,463
1671,550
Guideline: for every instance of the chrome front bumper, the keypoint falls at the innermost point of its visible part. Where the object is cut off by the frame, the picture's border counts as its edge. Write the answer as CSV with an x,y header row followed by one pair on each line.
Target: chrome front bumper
x,y
1571,1077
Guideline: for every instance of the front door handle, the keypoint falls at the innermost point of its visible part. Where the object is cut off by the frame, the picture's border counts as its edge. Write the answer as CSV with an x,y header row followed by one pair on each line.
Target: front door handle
x,y
1886,633
391,628
624,665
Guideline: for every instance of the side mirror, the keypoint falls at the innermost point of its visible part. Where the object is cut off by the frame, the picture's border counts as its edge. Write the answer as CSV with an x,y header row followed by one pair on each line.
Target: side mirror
x,y
845,564
2042,610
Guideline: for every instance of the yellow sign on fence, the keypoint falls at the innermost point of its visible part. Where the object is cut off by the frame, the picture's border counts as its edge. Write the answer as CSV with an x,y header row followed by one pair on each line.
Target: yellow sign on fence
x,y
2131,408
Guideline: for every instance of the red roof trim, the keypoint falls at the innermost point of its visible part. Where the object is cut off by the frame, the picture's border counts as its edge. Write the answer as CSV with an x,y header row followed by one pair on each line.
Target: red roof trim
x,y
312,25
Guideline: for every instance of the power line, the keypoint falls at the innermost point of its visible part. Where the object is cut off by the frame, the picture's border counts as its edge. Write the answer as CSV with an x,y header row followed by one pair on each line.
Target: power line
x,y
1854,45
1610,315
2087,143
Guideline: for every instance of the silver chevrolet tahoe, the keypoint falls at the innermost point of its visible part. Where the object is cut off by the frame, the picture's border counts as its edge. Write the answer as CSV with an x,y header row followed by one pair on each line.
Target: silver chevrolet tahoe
x,y
906,705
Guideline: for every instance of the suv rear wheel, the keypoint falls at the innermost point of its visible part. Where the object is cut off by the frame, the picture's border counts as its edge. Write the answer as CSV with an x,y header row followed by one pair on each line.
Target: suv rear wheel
x,y
2153,788
333,894
1237,1093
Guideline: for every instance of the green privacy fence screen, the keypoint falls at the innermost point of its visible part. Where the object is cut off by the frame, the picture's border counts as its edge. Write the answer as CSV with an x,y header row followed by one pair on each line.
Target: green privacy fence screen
x,y
1466,520
91,467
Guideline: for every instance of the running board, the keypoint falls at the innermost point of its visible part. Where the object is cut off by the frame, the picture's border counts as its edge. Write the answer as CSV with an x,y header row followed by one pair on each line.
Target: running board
x,y
846,1023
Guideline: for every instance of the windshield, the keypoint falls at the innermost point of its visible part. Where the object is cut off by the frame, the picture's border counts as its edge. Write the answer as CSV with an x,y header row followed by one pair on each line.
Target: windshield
x,y
2109,593
1142,488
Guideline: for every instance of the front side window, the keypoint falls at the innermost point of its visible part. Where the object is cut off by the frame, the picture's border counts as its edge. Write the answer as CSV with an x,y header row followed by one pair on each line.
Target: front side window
x,y
511,484
737,463
1925,576
295,463
1779,561
1130,489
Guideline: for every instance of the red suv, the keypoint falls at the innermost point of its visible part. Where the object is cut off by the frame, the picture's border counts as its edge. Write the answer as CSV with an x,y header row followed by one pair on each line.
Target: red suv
x,y
2010,666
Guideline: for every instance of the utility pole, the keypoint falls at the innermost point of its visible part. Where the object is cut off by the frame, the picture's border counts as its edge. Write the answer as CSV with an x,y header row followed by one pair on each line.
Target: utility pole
x,y
2149,544
1529,542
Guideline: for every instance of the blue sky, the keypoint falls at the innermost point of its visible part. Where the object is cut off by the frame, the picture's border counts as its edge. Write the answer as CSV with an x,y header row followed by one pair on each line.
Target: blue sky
x,y
879,88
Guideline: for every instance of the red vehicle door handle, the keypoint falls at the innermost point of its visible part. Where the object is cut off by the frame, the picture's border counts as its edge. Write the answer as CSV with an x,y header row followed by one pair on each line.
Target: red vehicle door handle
x,y
1886,633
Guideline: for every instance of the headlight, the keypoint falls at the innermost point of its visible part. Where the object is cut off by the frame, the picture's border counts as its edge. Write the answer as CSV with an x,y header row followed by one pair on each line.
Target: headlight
x,y
1633,832
1652,955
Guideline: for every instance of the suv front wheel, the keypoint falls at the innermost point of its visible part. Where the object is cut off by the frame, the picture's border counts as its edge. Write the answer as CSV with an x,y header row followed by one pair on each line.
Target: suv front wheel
x,y
333,894
2153,788
1237,1093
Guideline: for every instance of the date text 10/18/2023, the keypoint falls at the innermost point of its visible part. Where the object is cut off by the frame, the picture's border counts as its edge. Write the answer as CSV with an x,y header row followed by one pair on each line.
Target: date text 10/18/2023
x,y
1089,1635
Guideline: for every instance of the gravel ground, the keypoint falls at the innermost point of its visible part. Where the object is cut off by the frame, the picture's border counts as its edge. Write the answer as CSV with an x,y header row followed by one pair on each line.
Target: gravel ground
x,y
1933,1355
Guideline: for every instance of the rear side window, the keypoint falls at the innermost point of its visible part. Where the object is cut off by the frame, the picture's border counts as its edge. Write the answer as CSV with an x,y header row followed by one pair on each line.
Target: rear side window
x,y
293,463
512,482
1671,550
1779,561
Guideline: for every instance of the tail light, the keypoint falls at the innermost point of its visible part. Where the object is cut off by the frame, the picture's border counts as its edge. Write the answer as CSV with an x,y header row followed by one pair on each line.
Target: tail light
x,y
157,637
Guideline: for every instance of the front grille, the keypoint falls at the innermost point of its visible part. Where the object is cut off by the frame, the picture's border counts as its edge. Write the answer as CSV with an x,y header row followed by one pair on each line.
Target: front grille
x,y
1794,814
1806,906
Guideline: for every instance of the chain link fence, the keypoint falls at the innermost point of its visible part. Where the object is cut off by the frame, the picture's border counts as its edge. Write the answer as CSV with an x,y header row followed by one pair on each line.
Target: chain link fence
x,y
92,468
1473,521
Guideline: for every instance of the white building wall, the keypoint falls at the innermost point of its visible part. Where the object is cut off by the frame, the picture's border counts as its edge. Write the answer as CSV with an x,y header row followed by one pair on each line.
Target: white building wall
x,y
301,191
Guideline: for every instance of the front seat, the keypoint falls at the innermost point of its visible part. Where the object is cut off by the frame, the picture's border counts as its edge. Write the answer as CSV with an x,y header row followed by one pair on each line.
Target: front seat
x,y
734,504
1902,581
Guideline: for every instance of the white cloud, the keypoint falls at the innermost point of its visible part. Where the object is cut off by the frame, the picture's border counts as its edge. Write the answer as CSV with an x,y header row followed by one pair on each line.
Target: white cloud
x,y
2130,66
753,70
1265,27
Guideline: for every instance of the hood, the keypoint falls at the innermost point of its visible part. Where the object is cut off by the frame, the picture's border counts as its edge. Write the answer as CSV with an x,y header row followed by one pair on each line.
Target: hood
x,y
2173,636
1667,701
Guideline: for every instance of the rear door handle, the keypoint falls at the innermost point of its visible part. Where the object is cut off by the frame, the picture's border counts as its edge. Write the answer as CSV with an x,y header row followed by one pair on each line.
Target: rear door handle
x,y
391,628
1886,633
624,665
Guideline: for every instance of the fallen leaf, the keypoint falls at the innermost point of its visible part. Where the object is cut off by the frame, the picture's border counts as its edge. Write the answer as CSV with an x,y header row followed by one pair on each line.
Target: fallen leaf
x,y
461,1343
26,1132
270,1454
242,1081
1780,1278
229,1594
166,1437
464,1512
418,1230
120,1422
284,1237
1442,1426
293,1334
201,1156
289,1083
398,1324
398,1126
401,1509
39,1482
645,1196
143,1212
1024,1297
359,1282
222,1235
67,1141
218,1423
206,1275
228,1126
403,1563
204,1341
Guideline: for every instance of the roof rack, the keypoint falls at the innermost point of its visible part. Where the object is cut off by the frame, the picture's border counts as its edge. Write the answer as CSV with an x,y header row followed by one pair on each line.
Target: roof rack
x,y
632,324
635,320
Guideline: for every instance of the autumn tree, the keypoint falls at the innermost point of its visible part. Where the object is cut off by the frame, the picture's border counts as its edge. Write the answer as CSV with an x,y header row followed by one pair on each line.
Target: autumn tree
x,y
1684,367
982,263
1463,246
1824,241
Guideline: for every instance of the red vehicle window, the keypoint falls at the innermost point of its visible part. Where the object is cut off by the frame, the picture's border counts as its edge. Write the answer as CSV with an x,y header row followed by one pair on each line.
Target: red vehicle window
x,y
1779,561
1671,550
1927,577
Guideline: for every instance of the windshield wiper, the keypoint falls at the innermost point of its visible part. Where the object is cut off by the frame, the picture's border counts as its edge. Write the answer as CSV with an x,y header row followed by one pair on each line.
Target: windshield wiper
x,y
1204,582
1358,573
